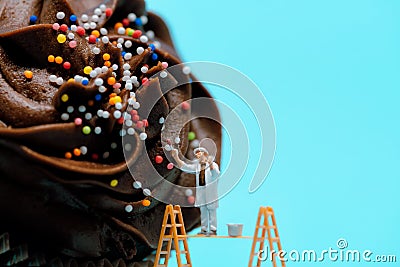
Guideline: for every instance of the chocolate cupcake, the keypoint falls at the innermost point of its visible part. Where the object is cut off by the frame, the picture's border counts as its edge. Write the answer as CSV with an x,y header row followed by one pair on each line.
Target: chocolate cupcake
x,y
69,70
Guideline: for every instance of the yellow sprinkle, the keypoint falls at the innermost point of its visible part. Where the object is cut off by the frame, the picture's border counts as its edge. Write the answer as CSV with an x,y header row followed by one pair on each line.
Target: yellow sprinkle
x,y
96,33
117,99
71,80
64,98
59,60
87,70
61,38
106,56
114,183
28,74
50,58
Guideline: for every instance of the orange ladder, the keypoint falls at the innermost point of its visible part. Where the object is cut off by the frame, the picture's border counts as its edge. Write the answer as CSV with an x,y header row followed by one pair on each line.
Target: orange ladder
x,y
172,222
264,214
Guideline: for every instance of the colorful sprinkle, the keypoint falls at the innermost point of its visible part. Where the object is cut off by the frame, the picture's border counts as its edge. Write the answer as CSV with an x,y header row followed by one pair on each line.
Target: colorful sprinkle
x,y
85,81
78,121
61,38
28,74
50,58
191,136
108,12
73,18
87,70
92,39
72,44
191,199
170,166
111,81
77,152
64,98
64,28
33,19
146,202
96,33
185,106
67,65
106,56
86,130
137,34
159,159
114,183
56,26
68,155
80,31
147,192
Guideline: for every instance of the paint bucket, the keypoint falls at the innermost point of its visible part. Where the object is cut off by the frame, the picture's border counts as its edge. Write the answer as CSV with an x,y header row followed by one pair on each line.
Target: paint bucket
x,y
235,229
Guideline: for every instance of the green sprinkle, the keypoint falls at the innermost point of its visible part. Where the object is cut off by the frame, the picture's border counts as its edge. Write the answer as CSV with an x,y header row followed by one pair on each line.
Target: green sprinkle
x,y
191,136
86,130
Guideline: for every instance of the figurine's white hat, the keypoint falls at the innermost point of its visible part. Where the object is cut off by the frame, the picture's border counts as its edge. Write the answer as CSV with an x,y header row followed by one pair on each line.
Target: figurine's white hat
x,y
200,149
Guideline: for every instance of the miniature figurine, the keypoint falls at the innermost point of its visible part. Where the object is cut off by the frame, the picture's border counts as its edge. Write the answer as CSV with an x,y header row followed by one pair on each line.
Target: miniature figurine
x,y
207,173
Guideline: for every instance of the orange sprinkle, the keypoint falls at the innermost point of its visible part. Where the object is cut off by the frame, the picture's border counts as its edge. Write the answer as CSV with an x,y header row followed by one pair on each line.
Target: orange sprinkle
x,y
96,33
107,63
68,155
59,60
118,25
112,95
77,152
114,43
28,74
50,58
106,56
146,202
111,81
111,101
71,80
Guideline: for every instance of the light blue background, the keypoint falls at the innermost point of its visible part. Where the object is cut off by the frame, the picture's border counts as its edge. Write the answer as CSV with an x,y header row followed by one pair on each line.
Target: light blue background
x,y
330,71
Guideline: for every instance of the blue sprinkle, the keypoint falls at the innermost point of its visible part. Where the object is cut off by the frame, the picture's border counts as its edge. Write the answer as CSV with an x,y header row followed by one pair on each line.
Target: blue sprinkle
x,y
190,80
97,97
72,18
138,22
154,56
123,53
85,81
152,46
33,19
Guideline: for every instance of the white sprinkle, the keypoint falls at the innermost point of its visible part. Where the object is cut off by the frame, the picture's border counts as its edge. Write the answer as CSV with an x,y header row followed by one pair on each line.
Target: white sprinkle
x,y
144,69
188,192
59,81
177,140
53,78
168,147
122,132
118,105
70,109
128,208
128,86
93,74
98,70
83,150
132,94
131,17
128,123
143,136
100,113
128,44
106,155
78,78
127,72
137,184
128,56
106,114
161,120
84,18
147,192
136,105
163,74
144,39
121,30
134,79
139,50
103,31
96,50
125,78
60,15
74,28
95,18
113,145
119,45
128,147
186,70
144,20
126,66
64,116
93,25
97,130
105,39
104,69
88,116
195,143
117,114
114,66
102,89
131,101
131,131
98,81
97,11
150,34
82,108
86,26
71,36
103,7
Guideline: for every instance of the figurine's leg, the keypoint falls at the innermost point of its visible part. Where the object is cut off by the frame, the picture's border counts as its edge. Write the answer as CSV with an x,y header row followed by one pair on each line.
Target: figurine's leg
x,y
204,219
213,220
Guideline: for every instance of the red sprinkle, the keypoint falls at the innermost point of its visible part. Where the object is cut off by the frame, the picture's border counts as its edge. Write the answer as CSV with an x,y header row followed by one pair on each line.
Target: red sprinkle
x,y
121,120
159,159
78,121
146,123
137,34
80,31
144,80
67,65
134,112
170,166
108,12
135,118
64,28
92,39
125,22
185,106
139,124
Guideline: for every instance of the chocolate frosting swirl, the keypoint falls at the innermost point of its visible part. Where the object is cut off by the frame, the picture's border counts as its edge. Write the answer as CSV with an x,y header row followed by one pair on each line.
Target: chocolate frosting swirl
x,y
64,183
